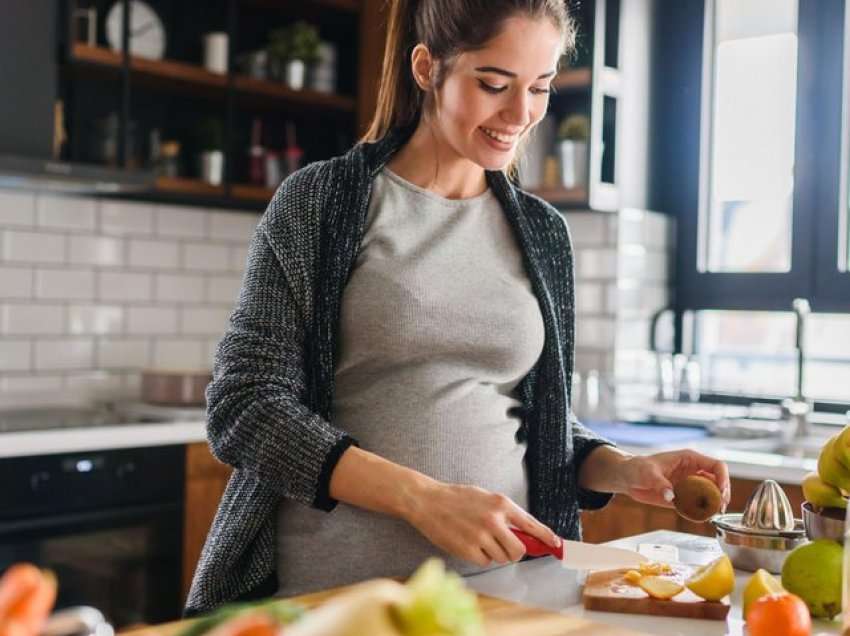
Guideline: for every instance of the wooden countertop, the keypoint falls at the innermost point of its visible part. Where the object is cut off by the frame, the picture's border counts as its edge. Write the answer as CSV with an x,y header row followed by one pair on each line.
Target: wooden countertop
x,y
501,618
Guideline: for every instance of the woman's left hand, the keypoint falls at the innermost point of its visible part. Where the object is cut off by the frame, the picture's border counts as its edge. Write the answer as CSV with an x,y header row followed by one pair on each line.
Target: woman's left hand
x,y
650,478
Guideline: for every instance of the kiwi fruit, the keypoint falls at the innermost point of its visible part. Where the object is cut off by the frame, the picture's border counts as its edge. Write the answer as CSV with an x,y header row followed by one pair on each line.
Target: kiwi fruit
x,y
696,498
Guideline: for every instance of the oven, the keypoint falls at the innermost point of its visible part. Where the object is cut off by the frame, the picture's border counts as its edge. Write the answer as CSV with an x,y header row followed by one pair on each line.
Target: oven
x,y
108,523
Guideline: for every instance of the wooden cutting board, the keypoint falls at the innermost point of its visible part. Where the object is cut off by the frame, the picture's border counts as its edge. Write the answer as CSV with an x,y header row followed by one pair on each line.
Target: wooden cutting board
x,y
608,592
501,618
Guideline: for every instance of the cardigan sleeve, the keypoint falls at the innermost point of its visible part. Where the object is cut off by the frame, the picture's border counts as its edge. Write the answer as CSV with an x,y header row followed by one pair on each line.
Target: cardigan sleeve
x,y
584,441
257,418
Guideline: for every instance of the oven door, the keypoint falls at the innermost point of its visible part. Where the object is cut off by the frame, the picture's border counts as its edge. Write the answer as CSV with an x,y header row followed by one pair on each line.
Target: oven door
x,y
123,561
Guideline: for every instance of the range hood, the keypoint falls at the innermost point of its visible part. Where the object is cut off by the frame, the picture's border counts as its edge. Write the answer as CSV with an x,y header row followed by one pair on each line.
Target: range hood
x,y
75,178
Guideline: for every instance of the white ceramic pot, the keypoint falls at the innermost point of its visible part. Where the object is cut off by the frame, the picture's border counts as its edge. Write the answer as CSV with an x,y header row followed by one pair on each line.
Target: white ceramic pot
x,y
572,157
295,74
211,166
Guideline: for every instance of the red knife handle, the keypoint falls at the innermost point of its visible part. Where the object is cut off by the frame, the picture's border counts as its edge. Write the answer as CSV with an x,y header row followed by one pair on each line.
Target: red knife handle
x,y
535,547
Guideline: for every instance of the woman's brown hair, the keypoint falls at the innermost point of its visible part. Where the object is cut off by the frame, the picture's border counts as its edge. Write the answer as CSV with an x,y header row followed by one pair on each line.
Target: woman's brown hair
x,y
448,28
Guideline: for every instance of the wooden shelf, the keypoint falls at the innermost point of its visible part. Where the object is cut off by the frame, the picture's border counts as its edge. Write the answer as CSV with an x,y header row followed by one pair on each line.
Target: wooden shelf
x,y
193,187
169,74
252,87
562,196
252,192
573,79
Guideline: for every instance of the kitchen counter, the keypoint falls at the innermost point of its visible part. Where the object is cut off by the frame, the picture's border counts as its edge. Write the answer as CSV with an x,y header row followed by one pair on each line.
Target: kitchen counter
x,y
743,463
544,583
48,442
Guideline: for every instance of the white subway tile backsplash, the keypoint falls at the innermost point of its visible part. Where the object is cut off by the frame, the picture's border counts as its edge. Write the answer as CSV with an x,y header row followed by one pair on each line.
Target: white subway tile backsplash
x,y
590,298
203,321
151,320
17,208
180,221
123,353
95,319
15,355
206,257
133,385
65,353
124,286
16,282
588,228
23,319
95,385
123,218
66,212
236,227
58,284
33,247
156,254
224,289
184,288
36,386
596,263
210,349
596,333
95,250
238,258
173,353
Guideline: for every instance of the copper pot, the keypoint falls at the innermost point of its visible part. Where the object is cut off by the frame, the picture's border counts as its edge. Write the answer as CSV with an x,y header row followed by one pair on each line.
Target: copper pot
x,y
175,387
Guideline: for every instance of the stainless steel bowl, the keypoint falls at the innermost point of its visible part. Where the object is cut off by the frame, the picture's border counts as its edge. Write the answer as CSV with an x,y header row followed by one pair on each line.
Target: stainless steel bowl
x,y
751,549
823,525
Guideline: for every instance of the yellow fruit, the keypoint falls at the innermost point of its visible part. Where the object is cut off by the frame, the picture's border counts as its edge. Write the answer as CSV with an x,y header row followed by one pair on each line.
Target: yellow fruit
x,y
820,494
654,568
842,447
760,584
832,471
659,587
713,581
813,572
633,577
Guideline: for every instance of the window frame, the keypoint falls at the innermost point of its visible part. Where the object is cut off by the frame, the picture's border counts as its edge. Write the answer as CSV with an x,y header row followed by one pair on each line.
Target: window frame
x,y
822,162
817,181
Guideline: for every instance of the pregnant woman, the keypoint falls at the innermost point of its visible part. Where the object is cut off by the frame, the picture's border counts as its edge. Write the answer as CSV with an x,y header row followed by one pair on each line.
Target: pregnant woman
x,y
395,379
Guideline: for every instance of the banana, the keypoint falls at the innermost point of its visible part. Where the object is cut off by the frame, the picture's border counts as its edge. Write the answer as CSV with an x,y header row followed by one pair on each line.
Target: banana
x,y
842,447
820,494
832,471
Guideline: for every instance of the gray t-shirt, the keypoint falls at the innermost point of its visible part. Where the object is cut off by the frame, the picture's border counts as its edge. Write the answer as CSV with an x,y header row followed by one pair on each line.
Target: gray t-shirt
x,y
438,325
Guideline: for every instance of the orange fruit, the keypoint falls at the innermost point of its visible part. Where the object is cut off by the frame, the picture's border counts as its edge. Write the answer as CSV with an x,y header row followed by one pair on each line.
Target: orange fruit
x,y
780,614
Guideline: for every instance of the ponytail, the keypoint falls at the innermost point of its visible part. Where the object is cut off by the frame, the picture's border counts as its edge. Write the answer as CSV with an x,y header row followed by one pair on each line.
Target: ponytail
x,y
399,97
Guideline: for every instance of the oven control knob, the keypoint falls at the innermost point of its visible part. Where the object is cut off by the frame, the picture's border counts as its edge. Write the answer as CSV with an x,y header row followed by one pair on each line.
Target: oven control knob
x,y
38,479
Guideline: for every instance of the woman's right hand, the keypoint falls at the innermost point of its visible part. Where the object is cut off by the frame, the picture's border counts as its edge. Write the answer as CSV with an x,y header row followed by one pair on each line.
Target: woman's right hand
x,y
474,524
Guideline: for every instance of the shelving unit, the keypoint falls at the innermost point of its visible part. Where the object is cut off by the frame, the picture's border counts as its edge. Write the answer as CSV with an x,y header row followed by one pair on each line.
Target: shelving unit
x,y
169,74
175,93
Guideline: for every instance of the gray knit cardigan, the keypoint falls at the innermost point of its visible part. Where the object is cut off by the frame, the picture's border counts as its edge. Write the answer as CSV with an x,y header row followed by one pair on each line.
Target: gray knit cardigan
x,y
269,404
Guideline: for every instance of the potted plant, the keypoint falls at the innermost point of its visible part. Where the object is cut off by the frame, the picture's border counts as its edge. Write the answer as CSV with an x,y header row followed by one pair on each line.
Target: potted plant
x,y
573,133
292,48
211,150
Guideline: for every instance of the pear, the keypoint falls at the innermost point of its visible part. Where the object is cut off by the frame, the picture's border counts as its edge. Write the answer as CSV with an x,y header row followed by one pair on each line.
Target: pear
x,y
813,572
831,470
820,494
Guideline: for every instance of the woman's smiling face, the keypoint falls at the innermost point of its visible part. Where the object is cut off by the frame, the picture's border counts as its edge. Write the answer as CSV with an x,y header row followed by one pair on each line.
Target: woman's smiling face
x,y
493,96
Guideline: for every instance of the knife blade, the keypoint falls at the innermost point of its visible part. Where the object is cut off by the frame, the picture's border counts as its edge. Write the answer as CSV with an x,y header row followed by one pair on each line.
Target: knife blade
x,y
577,555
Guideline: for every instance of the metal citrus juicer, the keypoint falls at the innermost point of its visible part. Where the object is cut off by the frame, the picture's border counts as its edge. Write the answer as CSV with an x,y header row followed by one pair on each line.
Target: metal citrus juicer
x,y
764,533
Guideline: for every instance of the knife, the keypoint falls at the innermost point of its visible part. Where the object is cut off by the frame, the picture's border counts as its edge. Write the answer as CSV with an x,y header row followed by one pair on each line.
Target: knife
x,y
577,555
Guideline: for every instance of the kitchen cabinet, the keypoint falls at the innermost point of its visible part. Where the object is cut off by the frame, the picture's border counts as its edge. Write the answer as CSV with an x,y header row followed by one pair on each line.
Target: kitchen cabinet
x,y
206,479
608,80
624,517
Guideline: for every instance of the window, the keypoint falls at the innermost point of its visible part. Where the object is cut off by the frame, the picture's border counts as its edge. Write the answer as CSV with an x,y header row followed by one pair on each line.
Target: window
x,y
771,220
